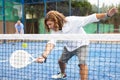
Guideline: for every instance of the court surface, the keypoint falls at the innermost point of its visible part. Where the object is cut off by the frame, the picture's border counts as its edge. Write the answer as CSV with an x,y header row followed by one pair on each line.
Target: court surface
x,y
103,62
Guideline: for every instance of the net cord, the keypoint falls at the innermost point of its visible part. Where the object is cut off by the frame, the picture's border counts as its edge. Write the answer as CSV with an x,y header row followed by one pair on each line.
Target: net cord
x,y
96,37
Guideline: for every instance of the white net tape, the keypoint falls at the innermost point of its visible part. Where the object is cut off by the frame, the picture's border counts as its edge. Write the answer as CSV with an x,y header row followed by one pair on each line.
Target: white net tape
x,y
96,37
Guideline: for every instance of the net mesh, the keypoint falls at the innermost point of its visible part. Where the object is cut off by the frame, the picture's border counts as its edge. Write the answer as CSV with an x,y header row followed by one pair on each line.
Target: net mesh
x,y
102,60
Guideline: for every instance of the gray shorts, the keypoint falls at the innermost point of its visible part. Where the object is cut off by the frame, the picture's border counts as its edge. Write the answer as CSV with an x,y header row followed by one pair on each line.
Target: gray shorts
x,y
81,53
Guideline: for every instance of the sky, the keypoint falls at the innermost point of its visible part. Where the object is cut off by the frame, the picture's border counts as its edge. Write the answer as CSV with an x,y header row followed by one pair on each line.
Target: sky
x,y
106,2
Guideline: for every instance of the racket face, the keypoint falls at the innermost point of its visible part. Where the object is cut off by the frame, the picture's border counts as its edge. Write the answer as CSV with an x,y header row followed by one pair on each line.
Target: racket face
x,y
19,59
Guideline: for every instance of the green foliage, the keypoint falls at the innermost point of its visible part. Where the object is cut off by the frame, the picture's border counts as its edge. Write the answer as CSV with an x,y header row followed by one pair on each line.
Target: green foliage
x,y
119,9
84,6
11,13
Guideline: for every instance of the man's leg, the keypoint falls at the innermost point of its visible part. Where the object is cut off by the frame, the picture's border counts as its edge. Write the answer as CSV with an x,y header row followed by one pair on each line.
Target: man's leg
x,y
62,66
82,54
83,71
62,74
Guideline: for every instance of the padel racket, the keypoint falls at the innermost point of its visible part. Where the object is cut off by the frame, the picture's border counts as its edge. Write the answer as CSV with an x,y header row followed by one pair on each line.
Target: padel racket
x,y
20,59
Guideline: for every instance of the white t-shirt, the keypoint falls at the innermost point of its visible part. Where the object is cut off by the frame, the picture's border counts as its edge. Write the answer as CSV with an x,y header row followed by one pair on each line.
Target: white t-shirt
x,y
74,25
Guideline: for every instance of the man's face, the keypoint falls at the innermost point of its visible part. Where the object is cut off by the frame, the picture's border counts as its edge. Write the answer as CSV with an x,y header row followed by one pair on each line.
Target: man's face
x,y
50,25
18,22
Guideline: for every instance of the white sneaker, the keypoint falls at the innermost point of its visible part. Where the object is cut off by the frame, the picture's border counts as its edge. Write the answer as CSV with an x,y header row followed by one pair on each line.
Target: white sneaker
x,y
59,75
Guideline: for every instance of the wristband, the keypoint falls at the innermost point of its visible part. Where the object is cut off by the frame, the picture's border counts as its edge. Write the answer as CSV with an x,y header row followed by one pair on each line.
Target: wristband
x,y
44,58
106,16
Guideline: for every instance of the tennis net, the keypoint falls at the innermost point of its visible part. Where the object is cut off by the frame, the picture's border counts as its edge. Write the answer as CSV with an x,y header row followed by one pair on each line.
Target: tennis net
x,y
102,59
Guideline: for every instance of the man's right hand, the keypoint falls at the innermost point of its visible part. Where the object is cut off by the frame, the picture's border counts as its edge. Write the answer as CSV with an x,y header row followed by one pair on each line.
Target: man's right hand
x,y
40,59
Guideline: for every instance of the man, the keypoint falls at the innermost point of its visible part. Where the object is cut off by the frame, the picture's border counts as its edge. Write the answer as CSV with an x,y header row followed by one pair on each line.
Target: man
x,y
19,27
58,23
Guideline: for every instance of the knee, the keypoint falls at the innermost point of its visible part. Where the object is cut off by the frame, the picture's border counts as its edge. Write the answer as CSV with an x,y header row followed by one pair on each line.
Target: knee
x,y
59,61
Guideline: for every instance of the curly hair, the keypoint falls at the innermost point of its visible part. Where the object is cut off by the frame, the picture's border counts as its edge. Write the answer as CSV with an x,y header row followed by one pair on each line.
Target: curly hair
x,y
57,18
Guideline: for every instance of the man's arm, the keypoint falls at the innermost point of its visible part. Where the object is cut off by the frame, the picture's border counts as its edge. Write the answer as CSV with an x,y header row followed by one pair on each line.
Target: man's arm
x,y
48,49
16,30
95,17
22,29
46,52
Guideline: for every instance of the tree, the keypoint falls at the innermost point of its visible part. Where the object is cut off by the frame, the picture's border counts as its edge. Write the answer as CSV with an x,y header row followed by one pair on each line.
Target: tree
x,y
81,8
116,20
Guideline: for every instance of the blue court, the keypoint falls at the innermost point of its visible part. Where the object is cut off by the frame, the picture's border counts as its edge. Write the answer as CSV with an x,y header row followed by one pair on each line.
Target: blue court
x,y
103,62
